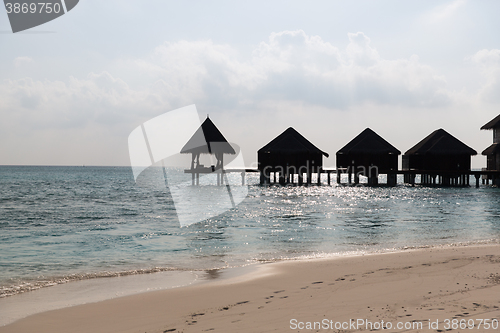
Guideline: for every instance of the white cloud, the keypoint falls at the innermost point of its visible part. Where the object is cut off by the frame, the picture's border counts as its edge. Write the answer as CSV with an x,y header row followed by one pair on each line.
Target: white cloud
x,y
291,74
359,50
81,121
22,61
290,65
489,62
100,98
487,58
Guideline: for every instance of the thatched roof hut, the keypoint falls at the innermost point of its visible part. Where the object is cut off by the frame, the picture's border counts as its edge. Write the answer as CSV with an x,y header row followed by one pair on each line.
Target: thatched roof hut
x,y
369,149
207,140
290,153
439,151
493,152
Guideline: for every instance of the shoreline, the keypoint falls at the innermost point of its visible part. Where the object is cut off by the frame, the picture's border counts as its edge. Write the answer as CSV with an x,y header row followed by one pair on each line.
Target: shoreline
x,y
93,290
126,283
419,285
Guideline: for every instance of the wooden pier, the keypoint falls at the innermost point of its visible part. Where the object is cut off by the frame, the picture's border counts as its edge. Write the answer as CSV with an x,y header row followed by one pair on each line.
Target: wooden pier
x,y
221,174
451,178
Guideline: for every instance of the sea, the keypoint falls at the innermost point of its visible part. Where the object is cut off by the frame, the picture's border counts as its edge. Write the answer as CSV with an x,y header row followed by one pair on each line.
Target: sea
x,y
66,227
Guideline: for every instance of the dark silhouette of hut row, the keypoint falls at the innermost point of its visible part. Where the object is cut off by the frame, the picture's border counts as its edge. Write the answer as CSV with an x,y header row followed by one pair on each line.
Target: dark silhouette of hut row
x,y
207,140
492,153
440,155
287,155
439,159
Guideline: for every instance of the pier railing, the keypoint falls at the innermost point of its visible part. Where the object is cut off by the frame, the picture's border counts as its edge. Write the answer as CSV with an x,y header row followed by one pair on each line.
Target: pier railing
x,y
427,177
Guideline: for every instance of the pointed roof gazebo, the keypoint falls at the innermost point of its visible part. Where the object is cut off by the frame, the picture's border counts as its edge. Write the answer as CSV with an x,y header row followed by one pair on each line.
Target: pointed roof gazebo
x,y
369,153
207,140
290,153
493,152
439,151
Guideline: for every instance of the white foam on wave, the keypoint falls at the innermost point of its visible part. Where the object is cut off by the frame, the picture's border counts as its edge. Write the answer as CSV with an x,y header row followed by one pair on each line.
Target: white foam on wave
x,y
89,291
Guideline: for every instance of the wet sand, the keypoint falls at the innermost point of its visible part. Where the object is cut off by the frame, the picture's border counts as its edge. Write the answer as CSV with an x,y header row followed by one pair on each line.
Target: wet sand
x,y
423,290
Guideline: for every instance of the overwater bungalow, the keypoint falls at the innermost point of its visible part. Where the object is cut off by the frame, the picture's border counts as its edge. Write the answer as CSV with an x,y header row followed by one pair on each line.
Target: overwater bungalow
x,y
207,140
287,155
492,153
368,154
434,155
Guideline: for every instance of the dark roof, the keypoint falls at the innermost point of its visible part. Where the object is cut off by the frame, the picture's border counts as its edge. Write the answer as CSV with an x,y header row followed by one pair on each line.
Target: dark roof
x,y
368,142
441,142
291,142
493,149
207,140
495,123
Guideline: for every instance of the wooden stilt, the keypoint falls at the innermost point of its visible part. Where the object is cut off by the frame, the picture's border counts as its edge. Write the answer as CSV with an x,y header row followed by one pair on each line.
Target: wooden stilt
x,y
391,179
372,177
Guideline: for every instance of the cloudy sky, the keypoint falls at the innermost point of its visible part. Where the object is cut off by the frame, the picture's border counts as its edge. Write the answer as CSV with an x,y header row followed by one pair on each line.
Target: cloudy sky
x,y
72,90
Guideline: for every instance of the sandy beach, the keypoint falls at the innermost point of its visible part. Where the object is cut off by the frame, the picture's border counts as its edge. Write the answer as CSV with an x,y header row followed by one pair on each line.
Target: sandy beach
x,y
425,290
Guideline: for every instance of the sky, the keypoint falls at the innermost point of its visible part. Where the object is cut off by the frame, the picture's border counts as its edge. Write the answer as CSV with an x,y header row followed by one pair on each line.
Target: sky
x,y
73,89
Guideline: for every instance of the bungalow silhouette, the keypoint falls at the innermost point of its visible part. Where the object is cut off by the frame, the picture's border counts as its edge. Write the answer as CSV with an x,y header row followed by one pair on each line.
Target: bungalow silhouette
x,y
368,154
287,155
436,154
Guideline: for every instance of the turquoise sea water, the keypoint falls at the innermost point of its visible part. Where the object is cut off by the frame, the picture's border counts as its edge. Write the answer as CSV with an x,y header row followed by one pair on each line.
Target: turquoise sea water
x,y
59,224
